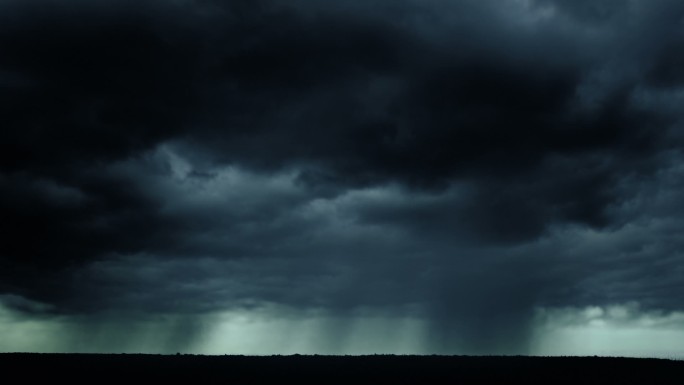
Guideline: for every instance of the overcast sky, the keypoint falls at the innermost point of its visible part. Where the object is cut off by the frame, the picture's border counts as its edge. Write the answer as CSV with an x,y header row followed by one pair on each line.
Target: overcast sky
x,y
351,176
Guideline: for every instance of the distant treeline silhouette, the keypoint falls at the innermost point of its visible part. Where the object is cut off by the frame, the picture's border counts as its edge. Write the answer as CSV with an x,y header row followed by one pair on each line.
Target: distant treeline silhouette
x,y
321,369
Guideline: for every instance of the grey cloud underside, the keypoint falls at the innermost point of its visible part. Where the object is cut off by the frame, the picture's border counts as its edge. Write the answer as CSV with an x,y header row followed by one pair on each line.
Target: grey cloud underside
x,y
472,158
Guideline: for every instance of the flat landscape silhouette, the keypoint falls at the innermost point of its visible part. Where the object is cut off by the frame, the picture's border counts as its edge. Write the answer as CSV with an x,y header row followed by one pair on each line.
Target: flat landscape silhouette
x,y
315,369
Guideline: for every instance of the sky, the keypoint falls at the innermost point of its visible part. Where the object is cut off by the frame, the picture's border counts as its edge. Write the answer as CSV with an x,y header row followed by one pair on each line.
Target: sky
x,y
342,177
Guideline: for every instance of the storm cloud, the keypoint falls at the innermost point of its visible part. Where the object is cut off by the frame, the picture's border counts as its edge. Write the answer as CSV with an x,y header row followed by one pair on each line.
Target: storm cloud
x,y
458,166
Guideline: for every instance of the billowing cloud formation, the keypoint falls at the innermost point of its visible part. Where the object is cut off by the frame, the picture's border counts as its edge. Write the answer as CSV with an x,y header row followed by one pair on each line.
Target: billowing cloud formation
x,y
462,162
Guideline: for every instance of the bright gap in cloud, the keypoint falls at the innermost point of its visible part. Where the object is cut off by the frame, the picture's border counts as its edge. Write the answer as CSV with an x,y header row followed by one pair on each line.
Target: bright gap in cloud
x,y
617,330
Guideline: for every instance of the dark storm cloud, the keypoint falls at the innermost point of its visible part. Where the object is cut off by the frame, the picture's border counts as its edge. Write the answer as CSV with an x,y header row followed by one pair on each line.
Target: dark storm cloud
x,y
98,84
193,156
589,11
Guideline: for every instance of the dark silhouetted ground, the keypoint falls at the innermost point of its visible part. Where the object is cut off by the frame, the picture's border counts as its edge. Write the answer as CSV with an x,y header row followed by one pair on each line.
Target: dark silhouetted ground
x,y
192,369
